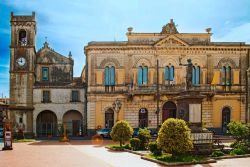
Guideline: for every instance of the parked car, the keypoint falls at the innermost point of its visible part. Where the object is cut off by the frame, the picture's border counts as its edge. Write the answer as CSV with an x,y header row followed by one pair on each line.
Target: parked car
x,y
105,132
153,132
1,132
136,132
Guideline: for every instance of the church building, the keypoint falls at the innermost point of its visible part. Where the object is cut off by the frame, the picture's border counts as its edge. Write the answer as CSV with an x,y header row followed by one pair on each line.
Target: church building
x,y
44,94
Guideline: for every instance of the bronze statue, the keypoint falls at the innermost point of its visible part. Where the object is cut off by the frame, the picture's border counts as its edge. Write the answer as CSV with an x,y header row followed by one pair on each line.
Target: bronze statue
x,y
188,72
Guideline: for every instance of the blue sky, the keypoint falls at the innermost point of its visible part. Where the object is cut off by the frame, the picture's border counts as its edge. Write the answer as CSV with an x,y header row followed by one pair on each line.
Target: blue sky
x,y
70,24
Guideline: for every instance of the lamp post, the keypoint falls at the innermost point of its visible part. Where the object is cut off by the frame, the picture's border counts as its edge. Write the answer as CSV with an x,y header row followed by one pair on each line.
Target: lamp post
x,y
117,106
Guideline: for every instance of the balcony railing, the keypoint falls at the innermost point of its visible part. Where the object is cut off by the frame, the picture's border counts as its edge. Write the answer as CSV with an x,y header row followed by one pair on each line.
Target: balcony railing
x,y
167,89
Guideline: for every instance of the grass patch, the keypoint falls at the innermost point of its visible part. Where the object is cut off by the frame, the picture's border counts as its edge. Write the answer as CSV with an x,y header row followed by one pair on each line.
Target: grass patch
x,y
165,157
23,140
117,147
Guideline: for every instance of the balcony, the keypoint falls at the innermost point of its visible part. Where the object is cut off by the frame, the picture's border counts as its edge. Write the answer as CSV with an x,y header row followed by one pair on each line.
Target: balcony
x,y
166,89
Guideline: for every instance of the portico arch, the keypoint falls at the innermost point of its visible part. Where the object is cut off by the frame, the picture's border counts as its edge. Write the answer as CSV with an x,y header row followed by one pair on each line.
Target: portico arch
x,y
74,122
46,124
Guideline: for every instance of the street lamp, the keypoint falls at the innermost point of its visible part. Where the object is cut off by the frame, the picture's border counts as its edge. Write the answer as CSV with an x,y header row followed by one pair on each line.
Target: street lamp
x,y
117,106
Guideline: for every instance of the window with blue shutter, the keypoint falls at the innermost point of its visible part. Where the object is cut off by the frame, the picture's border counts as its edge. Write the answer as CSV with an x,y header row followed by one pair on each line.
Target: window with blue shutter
x,y
106,76
228,75
167,73
171,73
140,75
223,75
197,75
145,75
112,76
193,75
45,73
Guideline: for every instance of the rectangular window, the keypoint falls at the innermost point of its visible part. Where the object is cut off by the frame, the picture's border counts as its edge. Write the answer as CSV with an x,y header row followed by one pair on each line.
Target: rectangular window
x,y
45,73
75,96
46,96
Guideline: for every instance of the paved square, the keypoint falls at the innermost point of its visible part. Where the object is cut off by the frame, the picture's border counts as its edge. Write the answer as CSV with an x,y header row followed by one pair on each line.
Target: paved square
x,y
83,154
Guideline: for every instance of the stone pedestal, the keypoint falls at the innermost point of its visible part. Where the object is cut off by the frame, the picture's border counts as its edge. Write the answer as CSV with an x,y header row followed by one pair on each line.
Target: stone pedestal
x,y
189,108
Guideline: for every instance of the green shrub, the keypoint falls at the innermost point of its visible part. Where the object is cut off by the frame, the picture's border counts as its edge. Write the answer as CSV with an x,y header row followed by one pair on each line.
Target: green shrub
x,y
135,143
237,151
238,130
144,136
121,132
154,148
174,137
217,153
243,145
127,146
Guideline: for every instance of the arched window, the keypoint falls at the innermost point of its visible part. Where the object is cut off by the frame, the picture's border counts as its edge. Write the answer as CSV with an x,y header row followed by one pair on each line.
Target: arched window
x,y
142,75
223,75
109,76
22,38
167,73
112,76
171,73
228,75
197,75
106,76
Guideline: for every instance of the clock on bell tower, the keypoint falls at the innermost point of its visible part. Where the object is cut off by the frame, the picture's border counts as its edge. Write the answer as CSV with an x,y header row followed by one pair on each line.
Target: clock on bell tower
x,y
22,65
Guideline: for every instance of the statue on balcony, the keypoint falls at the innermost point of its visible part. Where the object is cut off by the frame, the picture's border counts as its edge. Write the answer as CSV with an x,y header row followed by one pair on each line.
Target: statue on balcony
x,y
188,72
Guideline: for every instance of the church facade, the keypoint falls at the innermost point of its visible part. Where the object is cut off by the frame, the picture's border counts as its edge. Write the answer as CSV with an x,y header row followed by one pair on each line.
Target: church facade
x,y
126,72
44,94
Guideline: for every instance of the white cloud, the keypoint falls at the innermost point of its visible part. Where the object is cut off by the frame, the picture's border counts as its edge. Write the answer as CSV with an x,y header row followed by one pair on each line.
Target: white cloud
x,y
236,34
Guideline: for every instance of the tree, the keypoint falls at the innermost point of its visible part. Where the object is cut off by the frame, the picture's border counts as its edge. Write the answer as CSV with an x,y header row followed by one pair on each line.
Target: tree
x,y
121,132
174,137
144,136
238,130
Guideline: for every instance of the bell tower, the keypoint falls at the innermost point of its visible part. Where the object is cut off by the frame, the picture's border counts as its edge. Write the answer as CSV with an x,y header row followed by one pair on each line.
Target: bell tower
x,y
22,65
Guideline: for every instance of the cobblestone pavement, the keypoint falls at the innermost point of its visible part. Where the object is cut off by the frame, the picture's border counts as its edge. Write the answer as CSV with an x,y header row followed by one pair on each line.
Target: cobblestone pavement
x,y
83,154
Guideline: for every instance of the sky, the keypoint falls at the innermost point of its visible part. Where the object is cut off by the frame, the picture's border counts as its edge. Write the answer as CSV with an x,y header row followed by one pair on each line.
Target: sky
x,y
70,24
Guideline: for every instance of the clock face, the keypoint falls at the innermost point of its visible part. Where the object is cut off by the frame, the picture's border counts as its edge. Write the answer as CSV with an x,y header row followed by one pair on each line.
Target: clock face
x,y
21,61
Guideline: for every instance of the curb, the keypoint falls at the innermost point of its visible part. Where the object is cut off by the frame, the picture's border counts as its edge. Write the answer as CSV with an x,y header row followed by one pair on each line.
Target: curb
x,y
179,163
134,152
232,157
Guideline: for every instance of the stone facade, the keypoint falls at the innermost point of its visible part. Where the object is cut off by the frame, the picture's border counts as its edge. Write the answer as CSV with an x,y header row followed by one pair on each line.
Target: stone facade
x,y
222,97
45,93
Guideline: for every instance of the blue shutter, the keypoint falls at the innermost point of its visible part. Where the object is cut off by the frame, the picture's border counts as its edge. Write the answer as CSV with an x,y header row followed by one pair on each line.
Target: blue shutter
x,y
167,73
171,76
112,76
106,76
223,75
145,75
197,75
228,75
140,75
45,73
193,75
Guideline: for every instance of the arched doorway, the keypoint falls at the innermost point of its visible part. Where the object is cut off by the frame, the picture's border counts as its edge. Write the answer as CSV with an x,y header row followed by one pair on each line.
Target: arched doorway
x,y
168,110
143,118
46,124
74,122
226,115
109,118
